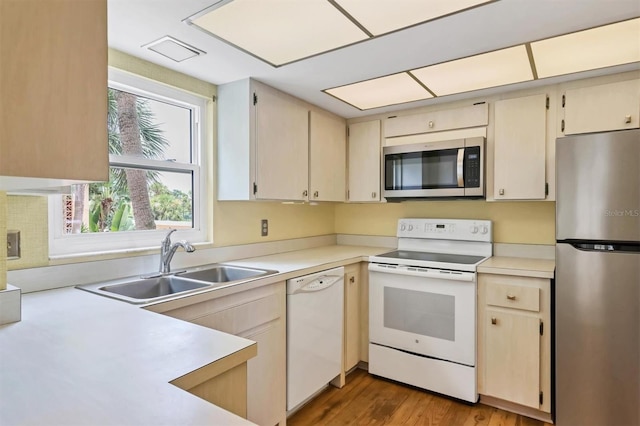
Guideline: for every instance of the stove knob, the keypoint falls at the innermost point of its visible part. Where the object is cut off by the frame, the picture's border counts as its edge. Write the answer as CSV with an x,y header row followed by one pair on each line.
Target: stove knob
x,y
473,229
410,227
484,229
403,227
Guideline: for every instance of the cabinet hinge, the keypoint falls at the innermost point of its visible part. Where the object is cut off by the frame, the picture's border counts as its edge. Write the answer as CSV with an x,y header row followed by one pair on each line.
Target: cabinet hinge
x,y
347,132
562,125
541,397
563,100
255,188
541,328
348,194
214,98
547,103
255,98
546,189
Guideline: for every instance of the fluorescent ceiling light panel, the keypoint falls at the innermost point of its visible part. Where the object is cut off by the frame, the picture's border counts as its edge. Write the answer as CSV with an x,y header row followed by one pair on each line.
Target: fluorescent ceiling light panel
x,y
173,49
378,92
601,47
491,69
383,16
280,31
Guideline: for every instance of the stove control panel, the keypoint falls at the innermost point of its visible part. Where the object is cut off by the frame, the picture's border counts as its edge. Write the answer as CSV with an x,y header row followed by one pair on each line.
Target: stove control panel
x,y
446,229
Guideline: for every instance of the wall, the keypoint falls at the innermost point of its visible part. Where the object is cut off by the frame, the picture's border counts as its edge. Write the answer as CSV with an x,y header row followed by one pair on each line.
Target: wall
x,y
518,222
234,222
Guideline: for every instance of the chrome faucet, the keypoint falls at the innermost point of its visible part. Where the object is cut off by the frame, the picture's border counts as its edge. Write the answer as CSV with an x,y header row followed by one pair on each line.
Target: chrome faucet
x,y
167,250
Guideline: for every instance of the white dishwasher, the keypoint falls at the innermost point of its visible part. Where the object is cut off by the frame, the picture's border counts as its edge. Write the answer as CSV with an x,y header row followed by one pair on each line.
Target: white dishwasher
x,y
314,333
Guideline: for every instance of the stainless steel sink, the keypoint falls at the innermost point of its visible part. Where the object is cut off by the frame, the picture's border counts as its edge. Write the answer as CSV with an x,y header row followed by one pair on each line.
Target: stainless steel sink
x,y
146,290
225,273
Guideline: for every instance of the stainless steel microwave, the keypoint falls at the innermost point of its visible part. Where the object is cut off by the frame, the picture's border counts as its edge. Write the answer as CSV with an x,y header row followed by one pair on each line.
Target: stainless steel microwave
x,y
435,169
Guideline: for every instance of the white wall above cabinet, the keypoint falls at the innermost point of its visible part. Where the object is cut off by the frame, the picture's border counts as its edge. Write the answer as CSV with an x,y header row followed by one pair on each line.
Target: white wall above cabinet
x,y
268,149
437,121
520,128
614,106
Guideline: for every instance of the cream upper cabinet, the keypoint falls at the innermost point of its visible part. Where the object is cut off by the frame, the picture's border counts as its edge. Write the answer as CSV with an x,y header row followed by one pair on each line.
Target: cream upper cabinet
x,y
514,361
437,121
520,139
364,161
613,106
263,143
327,156
53,93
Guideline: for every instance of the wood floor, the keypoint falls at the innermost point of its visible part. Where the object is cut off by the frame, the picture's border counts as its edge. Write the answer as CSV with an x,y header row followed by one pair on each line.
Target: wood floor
x,y
368,400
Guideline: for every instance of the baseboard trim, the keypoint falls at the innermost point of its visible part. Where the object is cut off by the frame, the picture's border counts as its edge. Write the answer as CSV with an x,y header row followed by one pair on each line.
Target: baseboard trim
x,y
516,408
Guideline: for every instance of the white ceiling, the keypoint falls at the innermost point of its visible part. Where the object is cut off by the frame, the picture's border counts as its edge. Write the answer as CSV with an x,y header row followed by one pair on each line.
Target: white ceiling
x,y
504,23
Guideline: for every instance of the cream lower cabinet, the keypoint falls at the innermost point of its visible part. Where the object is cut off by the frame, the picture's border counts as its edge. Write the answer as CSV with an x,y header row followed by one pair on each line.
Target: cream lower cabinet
x,y
258,314
613,106
514,340
351,316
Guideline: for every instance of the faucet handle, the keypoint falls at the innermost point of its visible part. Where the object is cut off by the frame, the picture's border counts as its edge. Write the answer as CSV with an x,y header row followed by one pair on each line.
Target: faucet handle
x,y
168,236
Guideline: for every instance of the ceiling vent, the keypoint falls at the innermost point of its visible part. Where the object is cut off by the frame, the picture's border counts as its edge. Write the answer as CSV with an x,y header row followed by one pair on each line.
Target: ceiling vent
x,y
173,49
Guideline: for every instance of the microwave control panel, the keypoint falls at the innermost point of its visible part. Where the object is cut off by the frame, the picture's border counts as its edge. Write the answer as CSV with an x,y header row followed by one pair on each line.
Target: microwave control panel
x,y
472,167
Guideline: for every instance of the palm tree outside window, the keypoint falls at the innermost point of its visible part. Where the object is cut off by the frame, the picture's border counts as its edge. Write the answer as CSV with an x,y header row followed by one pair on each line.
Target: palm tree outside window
x,y
155,154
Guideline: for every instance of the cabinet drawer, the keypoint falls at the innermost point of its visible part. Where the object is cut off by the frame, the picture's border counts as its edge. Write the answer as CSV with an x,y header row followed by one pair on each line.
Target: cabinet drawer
x,y
513,296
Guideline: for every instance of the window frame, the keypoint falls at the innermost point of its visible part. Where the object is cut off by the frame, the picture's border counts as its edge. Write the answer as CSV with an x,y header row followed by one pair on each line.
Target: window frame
x,y
66,245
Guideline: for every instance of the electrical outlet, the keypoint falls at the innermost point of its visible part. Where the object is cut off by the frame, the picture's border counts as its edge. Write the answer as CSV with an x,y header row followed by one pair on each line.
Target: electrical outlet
x,y
265,227
13,244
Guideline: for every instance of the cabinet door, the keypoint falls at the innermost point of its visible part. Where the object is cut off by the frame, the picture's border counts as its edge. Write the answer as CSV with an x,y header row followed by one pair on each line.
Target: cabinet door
x,y
614,106
519,148
352,318
437,121
512,357
364,161
53,91
282,149
327,157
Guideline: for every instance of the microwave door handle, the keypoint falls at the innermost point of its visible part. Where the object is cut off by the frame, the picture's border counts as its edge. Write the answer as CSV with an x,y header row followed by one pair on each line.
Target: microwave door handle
x,y
460,168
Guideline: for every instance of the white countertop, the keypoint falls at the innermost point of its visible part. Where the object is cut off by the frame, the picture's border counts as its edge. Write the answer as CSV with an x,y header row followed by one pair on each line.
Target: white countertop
x,y
520,266
77,358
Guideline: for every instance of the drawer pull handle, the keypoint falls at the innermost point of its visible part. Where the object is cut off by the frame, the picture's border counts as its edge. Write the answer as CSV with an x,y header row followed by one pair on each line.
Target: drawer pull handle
x,y
511,297
494,320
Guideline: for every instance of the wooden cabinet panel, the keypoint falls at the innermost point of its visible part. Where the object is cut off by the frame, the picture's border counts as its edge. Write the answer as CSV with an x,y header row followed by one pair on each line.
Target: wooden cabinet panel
x,y
282,149
259,315
513,296
519,148
437,121
512,359
613,106
514,344
364,161
351,316
53,92
327,157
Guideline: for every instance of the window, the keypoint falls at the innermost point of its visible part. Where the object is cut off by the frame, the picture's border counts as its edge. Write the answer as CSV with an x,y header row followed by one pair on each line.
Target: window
x,y
156,174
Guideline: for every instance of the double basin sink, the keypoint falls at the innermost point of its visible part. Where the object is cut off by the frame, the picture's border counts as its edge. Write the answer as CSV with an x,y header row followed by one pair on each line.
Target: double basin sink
x,y
151,289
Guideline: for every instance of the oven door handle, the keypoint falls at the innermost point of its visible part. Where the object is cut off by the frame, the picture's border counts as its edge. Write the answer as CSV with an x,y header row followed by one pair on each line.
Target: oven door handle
x,y
441,274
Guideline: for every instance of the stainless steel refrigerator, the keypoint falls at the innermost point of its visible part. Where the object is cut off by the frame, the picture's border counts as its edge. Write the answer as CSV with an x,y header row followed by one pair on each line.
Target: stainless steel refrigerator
x,y
597,288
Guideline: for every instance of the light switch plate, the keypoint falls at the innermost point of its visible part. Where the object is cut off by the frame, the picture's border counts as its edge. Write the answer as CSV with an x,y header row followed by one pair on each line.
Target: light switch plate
x,y
13,245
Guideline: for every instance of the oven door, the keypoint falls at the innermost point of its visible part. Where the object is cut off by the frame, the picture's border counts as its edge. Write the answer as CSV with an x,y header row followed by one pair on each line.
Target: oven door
x,y
429,312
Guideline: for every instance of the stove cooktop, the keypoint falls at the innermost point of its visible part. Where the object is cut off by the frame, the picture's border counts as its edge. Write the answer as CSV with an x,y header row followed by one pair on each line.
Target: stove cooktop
x,y
433,257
